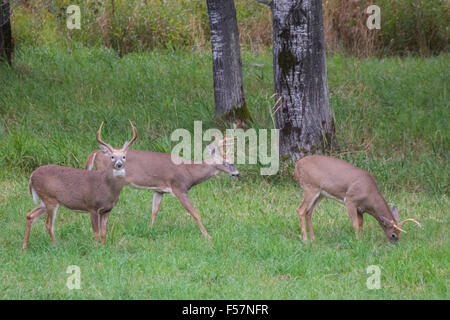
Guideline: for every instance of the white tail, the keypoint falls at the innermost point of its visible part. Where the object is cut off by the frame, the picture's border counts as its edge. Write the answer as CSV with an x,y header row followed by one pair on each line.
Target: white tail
x,y
94,192
156,171
322,176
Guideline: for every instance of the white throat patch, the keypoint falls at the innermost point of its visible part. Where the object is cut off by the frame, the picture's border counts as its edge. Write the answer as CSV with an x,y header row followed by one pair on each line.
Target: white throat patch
x,y
120,172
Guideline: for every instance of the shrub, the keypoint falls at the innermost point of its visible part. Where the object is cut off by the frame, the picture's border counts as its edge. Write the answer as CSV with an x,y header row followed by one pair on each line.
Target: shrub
x,y
407,26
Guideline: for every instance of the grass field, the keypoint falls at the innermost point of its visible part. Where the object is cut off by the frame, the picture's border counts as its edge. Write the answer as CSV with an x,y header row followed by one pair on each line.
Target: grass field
x,y
392,119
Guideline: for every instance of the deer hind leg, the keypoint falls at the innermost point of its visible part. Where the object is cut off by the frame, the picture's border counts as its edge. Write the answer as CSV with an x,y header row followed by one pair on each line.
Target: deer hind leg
x,y
310,196
52,209
301,212
95,221
32,216
309,213
157,196
184,200
103,225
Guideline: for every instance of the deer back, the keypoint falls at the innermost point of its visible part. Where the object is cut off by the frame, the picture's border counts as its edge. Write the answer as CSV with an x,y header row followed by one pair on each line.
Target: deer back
x,y
340,179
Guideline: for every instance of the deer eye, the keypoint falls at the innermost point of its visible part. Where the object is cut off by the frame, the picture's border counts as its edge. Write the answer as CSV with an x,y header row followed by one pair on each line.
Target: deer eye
x,y
123,157
112,157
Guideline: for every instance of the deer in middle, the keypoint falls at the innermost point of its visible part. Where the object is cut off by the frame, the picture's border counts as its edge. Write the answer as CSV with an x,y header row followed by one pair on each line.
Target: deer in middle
x,y
156,171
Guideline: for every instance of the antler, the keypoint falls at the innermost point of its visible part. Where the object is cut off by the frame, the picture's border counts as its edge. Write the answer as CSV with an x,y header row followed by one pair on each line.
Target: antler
x,y
99,139
412,220
223,142
398,228
401,224
128,143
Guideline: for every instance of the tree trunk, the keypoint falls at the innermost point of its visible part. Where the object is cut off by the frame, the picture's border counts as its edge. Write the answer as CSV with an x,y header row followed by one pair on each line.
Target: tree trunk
x,y
6,45
229,97
304,117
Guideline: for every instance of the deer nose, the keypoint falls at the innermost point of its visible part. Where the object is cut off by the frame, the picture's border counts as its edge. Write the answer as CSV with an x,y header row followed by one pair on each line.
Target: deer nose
x,y
119,164
393,238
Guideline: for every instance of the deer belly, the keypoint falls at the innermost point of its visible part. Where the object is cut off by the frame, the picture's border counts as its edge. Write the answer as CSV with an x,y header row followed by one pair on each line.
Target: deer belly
x,y
157,189
326,194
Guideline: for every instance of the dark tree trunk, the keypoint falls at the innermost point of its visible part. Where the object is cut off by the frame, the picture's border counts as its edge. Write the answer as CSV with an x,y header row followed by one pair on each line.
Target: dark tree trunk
x,y
227,65
304,117
6,44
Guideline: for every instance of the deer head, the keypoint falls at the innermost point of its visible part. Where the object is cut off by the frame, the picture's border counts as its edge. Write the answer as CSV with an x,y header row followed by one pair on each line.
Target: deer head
x,y
117,156
392,227
221,159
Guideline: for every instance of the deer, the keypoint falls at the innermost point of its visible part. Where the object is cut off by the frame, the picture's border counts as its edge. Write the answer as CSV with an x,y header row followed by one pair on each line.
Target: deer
x,y
322,176
156,171
80,190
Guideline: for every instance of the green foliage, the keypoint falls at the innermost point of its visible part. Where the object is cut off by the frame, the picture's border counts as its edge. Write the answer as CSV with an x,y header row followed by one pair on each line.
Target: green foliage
x,y
407,26
411,26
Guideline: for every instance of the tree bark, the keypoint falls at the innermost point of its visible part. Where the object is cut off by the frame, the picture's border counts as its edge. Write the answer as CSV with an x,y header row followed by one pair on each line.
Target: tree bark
x,y
229,96
6,44
304,117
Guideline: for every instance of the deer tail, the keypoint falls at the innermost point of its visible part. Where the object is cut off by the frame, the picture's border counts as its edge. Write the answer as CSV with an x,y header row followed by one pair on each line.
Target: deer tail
x,y
90,161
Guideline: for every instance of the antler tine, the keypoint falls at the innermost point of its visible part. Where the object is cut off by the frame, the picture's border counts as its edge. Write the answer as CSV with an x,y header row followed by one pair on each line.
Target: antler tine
x,y
99,138
127,144
276,107
398,228
223,142
412,220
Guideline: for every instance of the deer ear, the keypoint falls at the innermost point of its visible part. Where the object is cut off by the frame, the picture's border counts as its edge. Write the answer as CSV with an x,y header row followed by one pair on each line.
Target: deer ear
x,y
212,149
385,222
104,149
395,213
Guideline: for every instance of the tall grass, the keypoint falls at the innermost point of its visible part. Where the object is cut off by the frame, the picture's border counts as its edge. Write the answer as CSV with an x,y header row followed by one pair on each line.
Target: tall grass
x,y
391,114
407,26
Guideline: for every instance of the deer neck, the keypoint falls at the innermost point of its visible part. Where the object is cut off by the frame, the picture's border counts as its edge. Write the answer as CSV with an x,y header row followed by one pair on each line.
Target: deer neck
x,y
203,172
115,180
381,209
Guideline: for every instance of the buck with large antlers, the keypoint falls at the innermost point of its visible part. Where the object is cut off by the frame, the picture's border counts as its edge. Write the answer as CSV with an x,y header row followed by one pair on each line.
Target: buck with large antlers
x,y
322,176
156,171
76,189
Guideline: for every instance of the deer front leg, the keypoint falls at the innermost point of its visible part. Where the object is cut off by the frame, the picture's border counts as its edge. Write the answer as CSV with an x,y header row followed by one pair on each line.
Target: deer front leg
x,y
157,196
95,221
354,216
360,222
32,216
184,200
104,216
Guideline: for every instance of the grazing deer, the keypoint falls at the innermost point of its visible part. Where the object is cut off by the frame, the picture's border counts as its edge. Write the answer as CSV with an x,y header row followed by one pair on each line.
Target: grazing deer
x,y
156,171
322,176
76,189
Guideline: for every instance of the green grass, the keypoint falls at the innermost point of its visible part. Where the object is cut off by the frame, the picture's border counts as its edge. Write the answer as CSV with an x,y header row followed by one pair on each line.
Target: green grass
x,y
391,117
